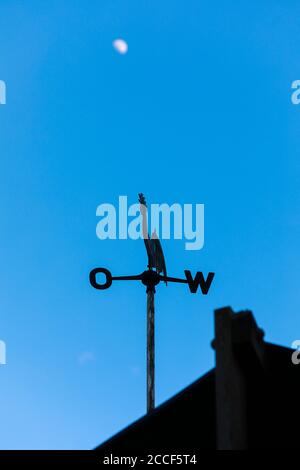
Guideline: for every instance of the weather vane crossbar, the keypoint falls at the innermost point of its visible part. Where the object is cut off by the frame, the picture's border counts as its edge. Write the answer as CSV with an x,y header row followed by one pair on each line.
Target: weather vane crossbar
x,y
151,278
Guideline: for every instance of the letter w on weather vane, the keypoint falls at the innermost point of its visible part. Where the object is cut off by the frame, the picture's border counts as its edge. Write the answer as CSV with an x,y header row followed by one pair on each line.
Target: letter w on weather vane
x,y
155,273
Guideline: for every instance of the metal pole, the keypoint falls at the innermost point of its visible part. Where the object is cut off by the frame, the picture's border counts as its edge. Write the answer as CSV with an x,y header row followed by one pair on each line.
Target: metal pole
x,y
150,350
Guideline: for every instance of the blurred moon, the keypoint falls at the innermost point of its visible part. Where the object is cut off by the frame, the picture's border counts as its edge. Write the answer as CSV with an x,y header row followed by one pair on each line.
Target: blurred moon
x,y
120,46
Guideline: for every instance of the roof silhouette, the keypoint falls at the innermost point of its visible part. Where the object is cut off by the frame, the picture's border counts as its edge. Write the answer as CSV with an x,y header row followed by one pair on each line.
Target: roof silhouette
x,y
248,401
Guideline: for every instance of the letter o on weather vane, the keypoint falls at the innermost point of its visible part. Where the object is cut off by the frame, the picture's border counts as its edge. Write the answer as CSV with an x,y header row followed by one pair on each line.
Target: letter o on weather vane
x,y
94,282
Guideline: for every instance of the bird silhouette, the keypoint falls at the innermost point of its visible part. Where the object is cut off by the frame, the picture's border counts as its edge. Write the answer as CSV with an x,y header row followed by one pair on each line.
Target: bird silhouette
x,y
156,259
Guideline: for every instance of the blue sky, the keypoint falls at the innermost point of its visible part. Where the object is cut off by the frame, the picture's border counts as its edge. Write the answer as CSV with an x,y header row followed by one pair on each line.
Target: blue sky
x,y
197,111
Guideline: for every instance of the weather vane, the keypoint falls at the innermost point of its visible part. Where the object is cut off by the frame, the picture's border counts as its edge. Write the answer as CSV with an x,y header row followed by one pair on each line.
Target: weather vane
x,y
151,278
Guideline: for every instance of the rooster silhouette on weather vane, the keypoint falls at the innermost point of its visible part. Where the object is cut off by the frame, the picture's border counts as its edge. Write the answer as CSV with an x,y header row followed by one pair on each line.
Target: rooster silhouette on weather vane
x,y
156,259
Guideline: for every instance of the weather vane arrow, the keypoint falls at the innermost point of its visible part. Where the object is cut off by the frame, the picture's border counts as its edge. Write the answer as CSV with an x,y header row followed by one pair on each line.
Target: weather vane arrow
x,y
151,278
